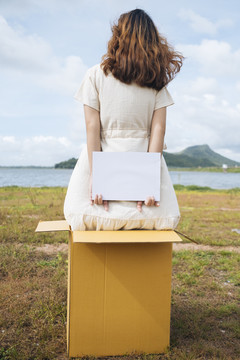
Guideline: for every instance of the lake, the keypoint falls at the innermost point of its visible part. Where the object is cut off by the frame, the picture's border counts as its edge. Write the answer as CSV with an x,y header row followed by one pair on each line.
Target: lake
x,y
37,177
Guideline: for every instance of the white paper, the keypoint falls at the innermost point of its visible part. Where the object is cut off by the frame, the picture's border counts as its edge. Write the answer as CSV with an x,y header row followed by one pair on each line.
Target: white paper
x,y
126,176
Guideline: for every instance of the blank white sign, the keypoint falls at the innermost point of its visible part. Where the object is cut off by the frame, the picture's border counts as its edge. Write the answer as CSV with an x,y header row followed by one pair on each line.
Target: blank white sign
x,y
126,176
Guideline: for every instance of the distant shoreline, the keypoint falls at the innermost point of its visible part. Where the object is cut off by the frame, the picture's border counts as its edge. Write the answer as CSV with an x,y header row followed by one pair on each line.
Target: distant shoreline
x,y
27,167
201,169
206,169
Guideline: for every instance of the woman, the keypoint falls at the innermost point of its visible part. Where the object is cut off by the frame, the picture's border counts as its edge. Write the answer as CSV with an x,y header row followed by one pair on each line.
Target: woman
x,y
125,99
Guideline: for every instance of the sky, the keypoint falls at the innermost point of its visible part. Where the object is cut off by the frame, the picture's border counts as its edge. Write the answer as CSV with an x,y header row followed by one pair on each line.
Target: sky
x,y
46,46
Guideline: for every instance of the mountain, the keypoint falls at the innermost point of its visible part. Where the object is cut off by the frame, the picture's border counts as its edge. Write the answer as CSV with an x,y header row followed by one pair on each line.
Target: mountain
x,y
198,155
69,164
193,156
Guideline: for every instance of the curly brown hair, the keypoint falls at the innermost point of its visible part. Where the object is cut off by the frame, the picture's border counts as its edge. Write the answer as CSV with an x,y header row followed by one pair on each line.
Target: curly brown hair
x,y
137,52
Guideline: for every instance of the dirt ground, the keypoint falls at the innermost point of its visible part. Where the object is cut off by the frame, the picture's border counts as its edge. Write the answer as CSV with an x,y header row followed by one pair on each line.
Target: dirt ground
x,y
55,248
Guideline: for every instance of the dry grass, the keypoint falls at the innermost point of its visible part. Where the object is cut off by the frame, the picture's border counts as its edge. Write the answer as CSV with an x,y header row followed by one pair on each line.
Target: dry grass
x,y
205,315
21,210
210,216
33,304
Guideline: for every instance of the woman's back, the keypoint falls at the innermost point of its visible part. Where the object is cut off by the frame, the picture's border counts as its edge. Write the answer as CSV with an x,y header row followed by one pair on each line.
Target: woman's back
x,y
125,110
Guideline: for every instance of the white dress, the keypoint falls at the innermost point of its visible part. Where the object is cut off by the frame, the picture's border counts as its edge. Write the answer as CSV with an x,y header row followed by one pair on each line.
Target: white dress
x,y
125,113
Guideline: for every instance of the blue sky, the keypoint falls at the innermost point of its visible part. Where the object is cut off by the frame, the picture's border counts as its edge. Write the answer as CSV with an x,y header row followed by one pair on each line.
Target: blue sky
x,y
46,46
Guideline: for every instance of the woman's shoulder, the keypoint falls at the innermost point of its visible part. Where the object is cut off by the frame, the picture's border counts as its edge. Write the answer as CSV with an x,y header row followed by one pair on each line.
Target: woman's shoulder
x,y
95,69
96,74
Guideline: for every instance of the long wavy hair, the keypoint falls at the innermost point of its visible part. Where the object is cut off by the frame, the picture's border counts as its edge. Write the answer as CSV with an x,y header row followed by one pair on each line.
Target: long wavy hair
x,y
138,53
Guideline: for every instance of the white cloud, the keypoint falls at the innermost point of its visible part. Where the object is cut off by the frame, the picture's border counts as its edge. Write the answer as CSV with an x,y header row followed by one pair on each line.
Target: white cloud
x,y
216,58
8,139
23,7
204,84
203,25
24,52
203,115
229,153
238,86
66,78
36,150
34,60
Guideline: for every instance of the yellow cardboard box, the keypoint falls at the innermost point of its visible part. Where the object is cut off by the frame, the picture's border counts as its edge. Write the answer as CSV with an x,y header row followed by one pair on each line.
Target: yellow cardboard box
x,y
119,290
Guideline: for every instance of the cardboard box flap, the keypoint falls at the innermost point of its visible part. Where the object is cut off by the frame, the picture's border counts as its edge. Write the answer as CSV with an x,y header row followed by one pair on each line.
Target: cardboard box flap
x,y
59,225
126,236
120,236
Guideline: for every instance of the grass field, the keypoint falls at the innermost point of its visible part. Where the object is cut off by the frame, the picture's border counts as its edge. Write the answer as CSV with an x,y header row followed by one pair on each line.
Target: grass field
x,y
33,283
204,169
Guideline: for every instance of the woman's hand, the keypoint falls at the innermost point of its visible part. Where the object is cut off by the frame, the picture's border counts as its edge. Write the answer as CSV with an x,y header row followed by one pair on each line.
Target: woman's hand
x,y
98,198
150,201
99,201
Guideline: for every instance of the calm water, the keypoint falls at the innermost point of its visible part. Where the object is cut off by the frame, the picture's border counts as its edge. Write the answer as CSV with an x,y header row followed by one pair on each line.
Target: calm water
x,y
37,177
34,177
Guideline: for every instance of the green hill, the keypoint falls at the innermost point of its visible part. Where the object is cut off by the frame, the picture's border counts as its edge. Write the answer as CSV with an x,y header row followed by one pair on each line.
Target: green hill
x,y
69,164
204,151
198,155
193,156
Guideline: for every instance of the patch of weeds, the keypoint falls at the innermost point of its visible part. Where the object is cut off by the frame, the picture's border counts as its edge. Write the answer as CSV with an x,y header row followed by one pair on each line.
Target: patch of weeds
x,y
231,325
23,261
196,258
18,261
228,309
32,196
179,290
215,286
8,353
51,262
234,191
175,260
22,208
180,187
185,224
228,264
186,278
223,265
209,217
33,306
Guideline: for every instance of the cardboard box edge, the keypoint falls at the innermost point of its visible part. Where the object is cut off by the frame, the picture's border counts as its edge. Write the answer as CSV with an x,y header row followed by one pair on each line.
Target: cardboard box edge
x,y
98,237
48,226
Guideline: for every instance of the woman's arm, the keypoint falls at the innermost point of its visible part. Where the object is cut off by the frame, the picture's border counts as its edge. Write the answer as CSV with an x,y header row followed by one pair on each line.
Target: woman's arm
x,y
93,127
92,120
158,128
156,143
